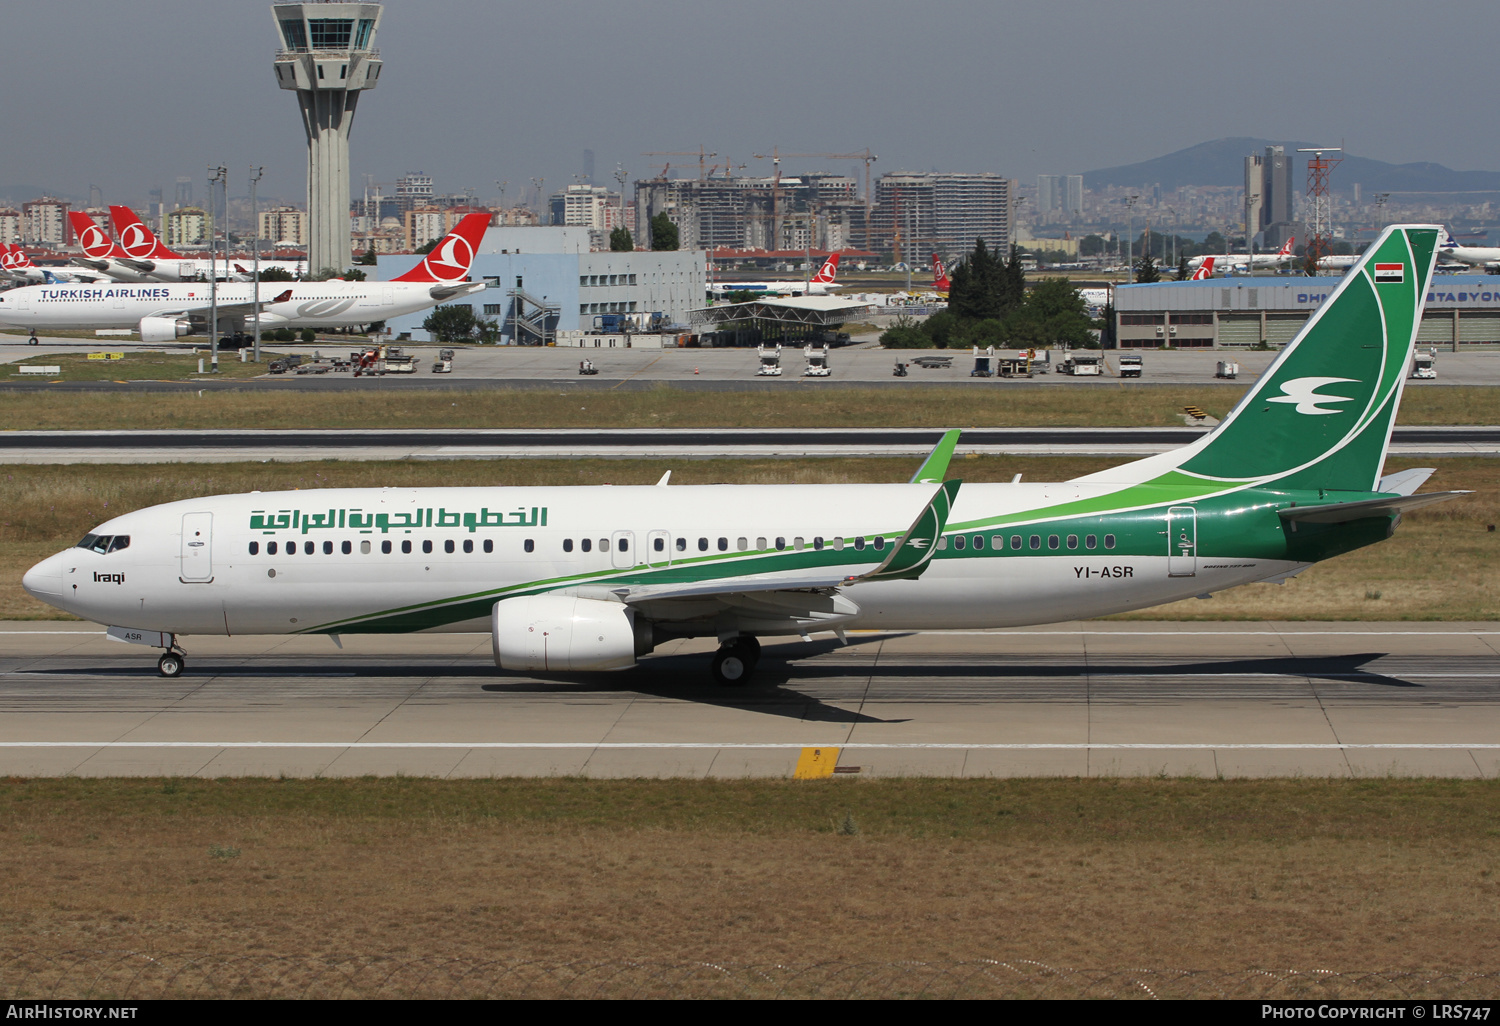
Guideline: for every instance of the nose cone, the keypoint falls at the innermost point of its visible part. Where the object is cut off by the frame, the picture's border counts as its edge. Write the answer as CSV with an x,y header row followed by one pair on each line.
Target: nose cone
x,y
44,581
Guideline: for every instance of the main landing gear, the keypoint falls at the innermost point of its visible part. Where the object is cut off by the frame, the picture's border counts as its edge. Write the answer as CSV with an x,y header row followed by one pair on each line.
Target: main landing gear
x,y
32,341
735,661
172,662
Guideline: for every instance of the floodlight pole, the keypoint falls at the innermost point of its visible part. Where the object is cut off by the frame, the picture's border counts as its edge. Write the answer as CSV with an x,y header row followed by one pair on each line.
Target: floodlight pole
x,y
255,174
218,175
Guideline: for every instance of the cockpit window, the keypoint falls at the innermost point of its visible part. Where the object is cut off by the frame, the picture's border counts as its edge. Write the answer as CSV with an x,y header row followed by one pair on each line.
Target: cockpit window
x,y
102,543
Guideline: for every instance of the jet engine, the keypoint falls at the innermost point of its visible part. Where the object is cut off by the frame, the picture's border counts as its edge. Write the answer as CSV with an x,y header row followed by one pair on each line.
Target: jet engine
x,y
563,632
164,329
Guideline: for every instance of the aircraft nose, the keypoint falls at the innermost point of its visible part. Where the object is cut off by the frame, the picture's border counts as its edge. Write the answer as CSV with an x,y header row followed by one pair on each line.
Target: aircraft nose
x,y
44,581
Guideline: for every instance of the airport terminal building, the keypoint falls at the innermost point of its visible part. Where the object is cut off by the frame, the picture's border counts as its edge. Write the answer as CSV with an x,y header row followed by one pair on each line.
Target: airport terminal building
x,y
1463,311
544,280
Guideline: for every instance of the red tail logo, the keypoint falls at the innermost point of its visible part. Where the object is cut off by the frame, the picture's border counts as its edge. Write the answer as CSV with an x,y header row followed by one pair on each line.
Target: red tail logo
x,y
1286,247
15,259
135,238
91,238
1205,270
450,259
939,274
828,271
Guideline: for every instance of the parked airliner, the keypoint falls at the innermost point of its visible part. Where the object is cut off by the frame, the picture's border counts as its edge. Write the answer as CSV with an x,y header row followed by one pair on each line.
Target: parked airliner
x,y
592,578
818,285
1239,261
149,255
162,312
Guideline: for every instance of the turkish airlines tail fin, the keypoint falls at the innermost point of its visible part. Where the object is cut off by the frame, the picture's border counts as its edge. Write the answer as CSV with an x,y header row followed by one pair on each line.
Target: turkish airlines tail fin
x,y
451,258
136,239
1286,248
828,271
940,281
1205,270
91,238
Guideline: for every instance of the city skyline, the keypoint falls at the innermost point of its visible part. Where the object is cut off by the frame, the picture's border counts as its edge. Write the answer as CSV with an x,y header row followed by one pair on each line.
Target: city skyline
x,y
1042,96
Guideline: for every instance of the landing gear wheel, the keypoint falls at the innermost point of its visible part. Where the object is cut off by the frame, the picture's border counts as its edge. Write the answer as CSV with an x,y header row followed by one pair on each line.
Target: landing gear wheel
x,y
170,665
734,663
32,341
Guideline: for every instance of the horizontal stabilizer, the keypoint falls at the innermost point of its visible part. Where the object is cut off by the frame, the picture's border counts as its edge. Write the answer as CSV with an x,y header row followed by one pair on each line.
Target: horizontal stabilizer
x,y
1342,512
1405,482
443,293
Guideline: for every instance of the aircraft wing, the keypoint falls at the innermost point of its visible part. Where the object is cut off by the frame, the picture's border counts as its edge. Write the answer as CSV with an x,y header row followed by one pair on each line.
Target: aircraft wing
x,y
225,309
907,558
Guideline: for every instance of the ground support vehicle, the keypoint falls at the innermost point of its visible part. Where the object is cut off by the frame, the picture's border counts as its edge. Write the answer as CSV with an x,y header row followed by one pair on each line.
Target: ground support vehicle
x,y
770,362
817,362
1131,366
444,363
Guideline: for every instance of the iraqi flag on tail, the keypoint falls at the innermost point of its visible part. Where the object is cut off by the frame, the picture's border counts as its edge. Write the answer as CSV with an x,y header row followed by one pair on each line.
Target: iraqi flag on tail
x,y
1389,274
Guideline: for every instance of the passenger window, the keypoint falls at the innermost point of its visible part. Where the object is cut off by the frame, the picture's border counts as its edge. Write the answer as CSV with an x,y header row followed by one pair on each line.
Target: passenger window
x,y
406,547
255,548
997,541
270,548
942,544
567,544
1053,541
489,545
309,548
586,544
623,545
1091,542
797,543
838,544
328,548
723,544
364,547
780,544
448,546
530,545
1072,541
879,543
291,548
702,544
1109,541
427,545
681,544
603,544
742,544
659,544
468,544
1015,541
760,544
1036,541
385,548
979,541
817,543
958,541
859,543
347,548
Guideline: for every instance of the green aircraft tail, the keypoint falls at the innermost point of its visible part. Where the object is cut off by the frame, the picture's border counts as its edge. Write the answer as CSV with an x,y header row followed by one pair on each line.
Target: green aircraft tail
x,y
1321,415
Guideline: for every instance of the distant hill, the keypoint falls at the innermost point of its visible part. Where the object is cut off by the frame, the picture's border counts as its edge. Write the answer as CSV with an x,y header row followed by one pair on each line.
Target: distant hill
x,y
1222,162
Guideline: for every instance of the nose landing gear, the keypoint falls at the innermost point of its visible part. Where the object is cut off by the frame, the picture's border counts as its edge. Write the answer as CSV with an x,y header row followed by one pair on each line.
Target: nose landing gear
x,y
170,664
734,662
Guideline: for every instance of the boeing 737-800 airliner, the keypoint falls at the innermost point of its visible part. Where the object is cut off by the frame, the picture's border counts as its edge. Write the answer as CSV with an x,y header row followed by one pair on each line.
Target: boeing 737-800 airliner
x,y
591,578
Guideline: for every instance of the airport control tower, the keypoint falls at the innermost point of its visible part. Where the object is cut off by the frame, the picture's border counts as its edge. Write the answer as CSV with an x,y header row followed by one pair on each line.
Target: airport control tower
x,y
327,55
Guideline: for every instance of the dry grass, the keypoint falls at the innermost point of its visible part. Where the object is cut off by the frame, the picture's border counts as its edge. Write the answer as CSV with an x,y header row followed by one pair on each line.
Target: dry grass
x,y
1041,406
1198,874
1439,566
136,366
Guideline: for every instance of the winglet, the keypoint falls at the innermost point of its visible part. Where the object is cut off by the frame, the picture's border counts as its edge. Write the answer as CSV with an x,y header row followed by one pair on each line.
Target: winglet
x,y
914,551
935,467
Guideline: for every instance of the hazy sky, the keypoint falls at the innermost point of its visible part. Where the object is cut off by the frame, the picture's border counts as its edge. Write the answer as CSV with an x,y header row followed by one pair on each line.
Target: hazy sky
x,y
130,95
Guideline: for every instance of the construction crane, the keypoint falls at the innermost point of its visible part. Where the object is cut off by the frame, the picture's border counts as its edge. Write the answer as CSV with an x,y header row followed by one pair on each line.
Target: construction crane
x,y
776,156
700,153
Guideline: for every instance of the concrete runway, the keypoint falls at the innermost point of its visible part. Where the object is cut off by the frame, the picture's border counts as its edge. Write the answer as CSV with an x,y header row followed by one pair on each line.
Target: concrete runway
x,y
1095,699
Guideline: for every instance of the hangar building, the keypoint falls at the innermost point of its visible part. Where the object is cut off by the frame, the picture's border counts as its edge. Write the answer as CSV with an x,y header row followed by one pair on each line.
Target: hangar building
x,y
1463,311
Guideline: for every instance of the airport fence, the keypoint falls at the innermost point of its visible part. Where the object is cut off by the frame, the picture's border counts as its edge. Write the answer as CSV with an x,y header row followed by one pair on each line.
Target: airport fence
x,y
130,975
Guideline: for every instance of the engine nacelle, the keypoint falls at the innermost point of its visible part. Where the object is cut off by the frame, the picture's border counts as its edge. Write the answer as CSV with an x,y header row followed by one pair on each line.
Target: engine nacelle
x,y
164,329
563,632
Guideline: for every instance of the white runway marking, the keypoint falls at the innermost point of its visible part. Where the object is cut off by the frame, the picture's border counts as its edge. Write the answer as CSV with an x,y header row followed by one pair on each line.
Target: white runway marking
x,y
789,746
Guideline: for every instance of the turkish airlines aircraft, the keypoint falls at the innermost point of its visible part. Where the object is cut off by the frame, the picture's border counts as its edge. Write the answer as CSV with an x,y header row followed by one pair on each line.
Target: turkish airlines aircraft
x,y
818,285
162,312
592,578
150,256
1240,261
1205,270
16,265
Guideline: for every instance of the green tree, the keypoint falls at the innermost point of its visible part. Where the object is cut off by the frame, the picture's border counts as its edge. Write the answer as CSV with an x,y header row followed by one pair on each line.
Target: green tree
x,y
1183,274
1092,245
367,258
453,323
905,337
1213,243
1011,286
353,274
664,234
428,247
1145,270
276,274
940,328
309,336
620,241
975,285
1054,312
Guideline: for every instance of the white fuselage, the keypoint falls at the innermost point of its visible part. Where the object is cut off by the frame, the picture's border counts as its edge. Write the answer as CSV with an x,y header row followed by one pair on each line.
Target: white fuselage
x,y
397,560
1478,256
178,269
125,305
780,288
1233,261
